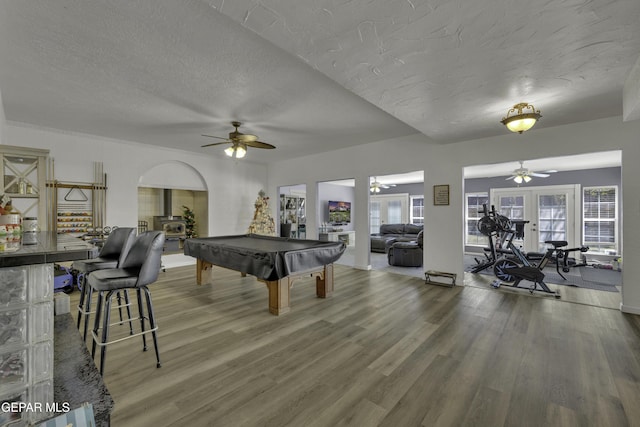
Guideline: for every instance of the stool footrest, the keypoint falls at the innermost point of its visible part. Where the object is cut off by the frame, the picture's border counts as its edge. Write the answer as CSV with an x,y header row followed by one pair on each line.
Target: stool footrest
x,y
429,274
102,344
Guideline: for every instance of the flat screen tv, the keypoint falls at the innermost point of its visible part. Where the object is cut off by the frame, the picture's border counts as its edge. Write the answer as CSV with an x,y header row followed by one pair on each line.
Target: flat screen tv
x,y
339,212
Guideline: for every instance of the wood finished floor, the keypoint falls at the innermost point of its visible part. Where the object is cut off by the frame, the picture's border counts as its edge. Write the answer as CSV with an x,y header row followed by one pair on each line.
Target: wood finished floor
x,y
385,350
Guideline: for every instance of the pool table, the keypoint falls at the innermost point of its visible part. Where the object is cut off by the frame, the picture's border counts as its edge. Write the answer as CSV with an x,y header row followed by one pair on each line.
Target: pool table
x,y
276,261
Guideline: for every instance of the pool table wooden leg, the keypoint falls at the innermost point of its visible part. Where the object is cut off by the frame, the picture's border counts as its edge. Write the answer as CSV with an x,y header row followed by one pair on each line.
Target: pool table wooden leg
x,y
279,292
201,267
324,282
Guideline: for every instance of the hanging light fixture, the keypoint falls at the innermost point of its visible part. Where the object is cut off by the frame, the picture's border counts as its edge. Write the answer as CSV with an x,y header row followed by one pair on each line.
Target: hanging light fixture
x,y
237,150
521,120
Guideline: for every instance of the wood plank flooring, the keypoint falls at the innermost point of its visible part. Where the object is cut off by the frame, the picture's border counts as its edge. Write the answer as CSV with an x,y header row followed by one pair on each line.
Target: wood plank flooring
x,y
385,350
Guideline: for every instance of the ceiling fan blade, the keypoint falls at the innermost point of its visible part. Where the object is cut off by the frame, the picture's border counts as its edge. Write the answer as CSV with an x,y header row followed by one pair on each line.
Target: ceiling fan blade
x,y
245,137
511,177
539,175
216,143
550,171
217,137
258,144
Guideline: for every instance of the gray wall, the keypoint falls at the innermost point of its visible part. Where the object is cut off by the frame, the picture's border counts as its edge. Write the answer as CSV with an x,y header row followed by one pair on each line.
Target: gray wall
x,y
586,178
338,193
412,189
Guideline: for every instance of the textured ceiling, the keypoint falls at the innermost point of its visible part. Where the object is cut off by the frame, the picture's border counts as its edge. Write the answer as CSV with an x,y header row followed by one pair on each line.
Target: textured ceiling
x,y
311,75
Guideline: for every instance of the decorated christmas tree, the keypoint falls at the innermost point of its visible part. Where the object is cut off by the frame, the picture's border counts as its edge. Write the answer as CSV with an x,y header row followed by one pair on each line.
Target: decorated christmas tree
x,y
263,222
190,222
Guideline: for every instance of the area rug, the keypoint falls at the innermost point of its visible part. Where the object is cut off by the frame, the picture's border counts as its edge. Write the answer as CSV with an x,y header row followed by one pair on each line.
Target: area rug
x,y
582,277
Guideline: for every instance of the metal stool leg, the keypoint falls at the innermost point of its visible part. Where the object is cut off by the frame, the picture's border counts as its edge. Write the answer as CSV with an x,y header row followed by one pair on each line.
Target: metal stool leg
x,y
152,322
105,330
141,312
87,310
83,293
127,302
119,298
96,324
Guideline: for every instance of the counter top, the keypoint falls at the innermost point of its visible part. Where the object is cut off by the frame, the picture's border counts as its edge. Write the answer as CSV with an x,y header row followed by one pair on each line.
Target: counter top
x,y
47,247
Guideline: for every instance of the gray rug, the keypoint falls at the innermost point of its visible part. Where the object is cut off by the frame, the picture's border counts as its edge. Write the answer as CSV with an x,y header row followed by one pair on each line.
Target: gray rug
x,y
582,277
379,263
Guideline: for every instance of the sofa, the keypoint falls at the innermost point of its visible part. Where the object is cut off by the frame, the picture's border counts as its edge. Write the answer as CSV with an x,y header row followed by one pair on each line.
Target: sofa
x,y
391,233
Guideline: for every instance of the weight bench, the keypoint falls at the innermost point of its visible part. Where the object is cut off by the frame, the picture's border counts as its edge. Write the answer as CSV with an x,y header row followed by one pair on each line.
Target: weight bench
x,y
429,274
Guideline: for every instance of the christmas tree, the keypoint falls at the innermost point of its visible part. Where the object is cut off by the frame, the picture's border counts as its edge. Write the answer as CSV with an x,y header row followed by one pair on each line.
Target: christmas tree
x,y
262,220
190,222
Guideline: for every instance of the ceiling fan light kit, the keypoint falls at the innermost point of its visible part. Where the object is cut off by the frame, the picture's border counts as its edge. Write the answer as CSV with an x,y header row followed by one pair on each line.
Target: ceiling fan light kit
x,y
237,150
239,142
376,186
523,174
519,120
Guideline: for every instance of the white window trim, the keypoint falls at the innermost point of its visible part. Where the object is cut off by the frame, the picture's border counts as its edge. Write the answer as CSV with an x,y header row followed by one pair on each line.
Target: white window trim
x,y
411,199
466,216
616,219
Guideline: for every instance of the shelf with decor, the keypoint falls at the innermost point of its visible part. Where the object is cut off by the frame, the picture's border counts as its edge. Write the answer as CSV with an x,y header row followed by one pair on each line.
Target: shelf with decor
x,y
23,171
293,212
79,206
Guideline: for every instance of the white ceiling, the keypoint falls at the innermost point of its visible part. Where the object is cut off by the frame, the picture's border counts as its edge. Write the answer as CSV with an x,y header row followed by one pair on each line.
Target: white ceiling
x,y
311,75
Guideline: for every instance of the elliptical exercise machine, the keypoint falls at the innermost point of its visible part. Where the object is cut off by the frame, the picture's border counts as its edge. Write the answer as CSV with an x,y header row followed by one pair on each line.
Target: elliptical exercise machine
x,y
491,225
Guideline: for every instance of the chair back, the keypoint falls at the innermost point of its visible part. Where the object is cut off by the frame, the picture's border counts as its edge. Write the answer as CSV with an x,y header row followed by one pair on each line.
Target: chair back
x,y
118,244
145,256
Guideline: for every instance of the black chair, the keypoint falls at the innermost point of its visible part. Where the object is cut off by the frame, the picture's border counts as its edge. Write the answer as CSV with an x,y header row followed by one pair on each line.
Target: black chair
x,y
139,269
113,252
406,254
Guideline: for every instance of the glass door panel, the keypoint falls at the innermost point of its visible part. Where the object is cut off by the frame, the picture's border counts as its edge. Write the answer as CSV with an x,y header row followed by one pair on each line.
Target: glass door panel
x,y
374,217
552,219
549,210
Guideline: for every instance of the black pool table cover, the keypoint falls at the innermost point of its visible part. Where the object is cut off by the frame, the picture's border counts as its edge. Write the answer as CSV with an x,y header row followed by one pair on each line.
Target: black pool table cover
x,y
265,257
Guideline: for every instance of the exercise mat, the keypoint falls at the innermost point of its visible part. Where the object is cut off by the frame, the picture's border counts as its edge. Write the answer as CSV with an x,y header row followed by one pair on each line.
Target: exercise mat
x,y
582,277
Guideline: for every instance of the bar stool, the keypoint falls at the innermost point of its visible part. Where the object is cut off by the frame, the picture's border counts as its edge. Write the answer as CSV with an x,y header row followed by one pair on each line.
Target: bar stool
x,y
139,269
113,252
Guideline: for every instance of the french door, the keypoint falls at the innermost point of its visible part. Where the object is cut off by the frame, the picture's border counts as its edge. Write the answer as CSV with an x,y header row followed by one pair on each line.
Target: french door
x,y
388,209
551,212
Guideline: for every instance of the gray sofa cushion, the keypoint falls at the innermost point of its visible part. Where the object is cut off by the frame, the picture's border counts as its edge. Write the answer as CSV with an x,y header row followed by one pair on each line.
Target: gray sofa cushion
x,y
392,229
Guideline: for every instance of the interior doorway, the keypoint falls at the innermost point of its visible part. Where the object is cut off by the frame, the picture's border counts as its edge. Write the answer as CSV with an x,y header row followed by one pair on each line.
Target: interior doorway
x,y
292,211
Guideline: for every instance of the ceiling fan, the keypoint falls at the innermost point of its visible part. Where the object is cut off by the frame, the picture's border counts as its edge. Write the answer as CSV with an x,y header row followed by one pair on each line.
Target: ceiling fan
x,y
239,142
523,174
376,186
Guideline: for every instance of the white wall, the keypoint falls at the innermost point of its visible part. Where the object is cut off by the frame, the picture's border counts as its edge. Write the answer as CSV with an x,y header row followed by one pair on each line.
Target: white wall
x,y
443,164
233,185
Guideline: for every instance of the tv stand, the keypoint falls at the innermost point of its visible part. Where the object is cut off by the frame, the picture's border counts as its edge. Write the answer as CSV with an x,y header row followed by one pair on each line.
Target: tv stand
x,y
348,237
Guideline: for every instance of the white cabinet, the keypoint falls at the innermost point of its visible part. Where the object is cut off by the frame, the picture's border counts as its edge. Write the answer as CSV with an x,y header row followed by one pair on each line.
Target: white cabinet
x,y
348,237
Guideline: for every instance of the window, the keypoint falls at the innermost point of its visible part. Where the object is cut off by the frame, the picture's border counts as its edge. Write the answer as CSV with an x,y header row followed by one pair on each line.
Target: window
x,y
417,210
600,219
474,208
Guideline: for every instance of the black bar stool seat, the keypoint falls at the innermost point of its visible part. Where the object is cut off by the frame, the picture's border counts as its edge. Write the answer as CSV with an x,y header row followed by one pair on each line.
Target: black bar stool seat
x,y
139,269
114,250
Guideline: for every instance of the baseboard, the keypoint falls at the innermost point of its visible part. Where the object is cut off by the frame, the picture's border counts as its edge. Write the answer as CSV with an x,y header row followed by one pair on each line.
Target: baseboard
x,y
362,267
628,309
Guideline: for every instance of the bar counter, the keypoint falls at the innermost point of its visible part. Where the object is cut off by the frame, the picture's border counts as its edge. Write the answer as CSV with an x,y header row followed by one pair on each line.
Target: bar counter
x,y
44,247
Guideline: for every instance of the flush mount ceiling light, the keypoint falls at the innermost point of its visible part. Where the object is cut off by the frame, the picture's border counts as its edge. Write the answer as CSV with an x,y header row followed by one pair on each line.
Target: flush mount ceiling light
x,y
521,117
